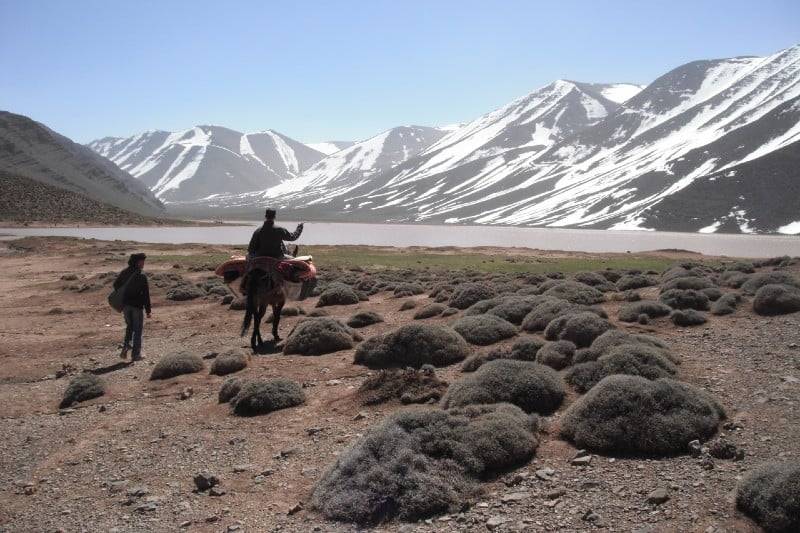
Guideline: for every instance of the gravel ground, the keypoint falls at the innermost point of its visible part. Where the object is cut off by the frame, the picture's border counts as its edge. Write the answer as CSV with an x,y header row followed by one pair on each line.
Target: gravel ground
x,y
126,461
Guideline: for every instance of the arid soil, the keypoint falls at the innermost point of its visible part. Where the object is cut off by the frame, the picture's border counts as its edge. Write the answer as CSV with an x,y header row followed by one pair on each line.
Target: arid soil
x,y
126,461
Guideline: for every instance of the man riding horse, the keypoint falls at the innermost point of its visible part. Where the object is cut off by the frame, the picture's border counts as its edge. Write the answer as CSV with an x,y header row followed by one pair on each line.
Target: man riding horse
x,y
262,283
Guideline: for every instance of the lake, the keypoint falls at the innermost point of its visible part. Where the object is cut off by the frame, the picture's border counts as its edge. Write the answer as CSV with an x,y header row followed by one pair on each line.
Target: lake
x,y
464,236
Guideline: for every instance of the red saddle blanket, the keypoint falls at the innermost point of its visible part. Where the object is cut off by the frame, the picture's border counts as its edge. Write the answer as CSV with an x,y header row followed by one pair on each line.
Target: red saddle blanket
x,y
295,270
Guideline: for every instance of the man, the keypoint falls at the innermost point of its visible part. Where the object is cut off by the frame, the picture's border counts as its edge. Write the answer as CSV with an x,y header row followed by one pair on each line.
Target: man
x,y
267,241
136,301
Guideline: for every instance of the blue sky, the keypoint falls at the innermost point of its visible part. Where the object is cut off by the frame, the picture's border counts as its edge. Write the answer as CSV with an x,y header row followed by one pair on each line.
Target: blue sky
x,y
344,69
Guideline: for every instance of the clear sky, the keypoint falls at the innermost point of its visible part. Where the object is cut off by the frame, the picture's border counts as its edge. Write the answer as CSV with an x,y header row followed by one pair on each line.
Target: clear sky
x,y
344,70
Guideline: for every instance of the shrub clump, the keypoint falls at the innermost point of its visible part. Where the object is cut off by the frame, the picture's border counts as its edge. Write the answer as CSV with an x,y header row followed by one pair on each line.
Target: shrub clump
x,y
770,495
408,304
776,300
228,363
338,294
514,309
551,308
634,281
321,335
84,386
429,311
524,349
653,309
363,319
557,355
726,304
687,317
756,281
413,345
603,344
581,328
686,283
632,415
422,462
176,364
575,292
229,389
484,329
467,294
530,386
264,396
408,385
629,359
685,299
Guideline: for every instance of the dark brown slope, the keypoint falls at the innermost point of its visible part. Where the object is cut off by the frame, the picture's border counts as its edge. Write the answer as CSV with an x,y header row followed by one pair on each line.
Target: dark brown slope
x,y
32,150
25,201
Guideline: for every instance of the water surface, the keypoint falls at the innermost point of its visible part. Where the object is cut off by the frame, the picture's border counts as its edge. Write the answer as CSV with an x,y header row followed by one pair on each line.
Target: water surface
x,y
464,236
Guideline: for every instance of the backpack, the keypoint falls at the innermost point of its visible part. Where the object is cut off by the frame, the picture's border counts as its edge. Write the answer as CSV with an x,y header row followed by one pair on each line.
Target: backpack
x,y
117,297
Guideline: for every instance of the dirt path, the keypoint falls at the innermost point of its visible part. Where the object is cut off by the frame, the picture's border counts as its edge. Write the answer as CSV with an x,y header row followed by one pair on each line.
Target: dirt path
x,y
125,461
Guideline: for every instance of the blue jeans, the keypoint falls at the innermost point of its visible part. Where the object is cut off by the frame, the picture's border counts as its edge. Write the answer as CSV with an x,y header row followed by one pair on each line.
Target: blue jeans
x,y
134,323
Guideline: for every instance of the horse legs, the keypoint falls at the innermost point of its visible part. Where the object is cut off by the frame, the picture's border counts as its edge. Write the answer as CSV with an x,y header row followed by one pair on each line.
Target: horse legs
x,y
276,314
255,339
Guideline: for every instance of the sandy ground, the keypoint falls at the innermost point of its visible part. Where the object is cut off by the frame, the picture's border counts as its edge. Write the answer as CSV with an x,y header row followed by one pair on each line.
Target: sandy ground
x,y
125,461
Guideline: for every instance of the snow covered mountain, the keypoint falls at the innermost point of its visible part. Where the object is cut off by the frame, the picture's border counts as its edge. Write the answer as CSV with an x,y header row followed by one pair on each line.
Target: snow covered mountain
x,y
342,171
330,147
29,149
207,160
712,145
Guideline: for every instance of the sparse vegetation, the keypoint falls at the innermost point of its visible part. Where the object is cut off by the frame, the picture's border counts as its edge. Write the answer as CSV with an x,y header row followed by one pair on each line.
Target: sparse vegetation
x,y
776,300
413,345
770,495
687,317
470,293
653,309
630,359
321,335
685,299
557,355
408,385
229,389
422,462
176,364
530,386
632,415
484,329
338,294
429,311
756,281
264,396
363,319
228,363
84,386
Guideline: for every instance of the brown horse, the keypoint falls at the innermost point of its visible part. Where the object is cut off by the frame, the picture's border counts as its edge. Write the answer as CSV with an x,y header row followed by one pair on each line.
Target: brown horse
x,y
263,289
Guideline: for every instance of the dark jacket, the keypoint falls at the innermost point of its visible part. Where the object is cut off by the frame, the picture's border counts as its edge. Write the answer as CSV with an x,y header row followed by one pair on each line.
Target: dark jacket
x,y
267,241
137,293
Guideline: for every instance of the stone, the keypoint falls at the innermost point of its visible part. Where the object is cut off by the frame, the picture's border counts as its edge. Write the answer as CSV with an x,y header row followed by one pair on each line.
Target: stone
x,y
695,448
555,493
515,497
296,508
545,474
658,496
138,491
495,521
584,460
590,516
205,480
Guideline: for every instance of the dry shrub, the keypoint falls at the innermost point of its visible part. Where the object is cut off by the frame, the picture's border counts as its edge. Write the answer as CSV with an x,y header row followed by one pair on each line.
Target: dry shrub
x,y
625,415
264,396
414,345
176,364
84,386
530,386
770,495
408,385
317,336
422,462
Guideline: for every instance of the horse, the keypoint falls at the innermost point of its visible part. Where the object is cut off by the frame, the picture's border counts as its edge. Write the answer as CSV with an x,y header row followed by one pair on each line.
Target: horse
x,y
263,289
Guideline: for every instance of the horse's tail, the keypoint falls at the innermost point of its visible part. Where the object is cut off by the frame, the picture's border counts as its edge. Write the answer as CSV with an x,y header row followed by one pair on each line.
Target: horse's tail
x,y
250,307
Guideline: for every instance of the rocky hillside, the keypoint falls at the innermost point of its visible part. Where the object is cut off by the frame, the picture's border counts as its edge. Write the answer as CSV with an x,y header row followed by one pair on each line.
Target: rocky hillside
x,y
32,150
26,201
190,165
709,146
